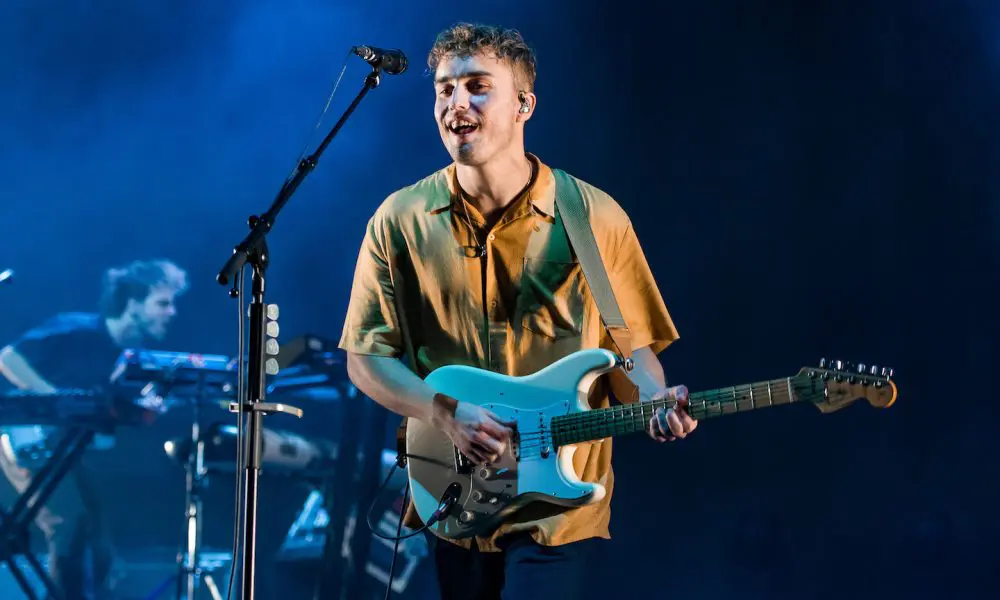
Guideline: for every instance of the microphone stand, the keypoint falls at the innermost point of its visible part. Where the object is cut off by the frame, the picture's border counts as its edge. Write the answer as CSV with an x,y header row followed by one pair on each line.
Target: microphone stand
x,y
253,249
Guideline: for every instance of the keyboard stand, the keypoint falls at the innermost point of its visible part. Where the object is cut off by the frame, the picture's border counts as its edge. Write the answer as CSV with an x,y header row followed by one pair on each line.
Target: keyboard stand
x,y
15,523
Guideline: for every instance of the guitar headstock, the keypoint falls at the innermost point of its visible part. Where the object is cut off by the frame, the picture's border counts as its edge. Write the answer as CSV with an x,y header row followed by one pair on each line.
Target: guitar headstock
x,y
835,384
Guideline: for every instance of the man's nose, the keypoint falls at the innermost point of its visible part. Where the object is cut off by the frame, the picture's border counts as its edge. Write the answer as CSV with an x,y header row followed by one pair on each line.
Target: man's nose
x,y
459,100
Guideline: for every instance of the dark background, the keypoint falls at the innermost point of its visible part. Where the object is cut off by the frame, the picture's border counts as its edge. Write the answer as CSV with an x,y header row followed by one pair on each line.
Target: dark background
x,y
808,179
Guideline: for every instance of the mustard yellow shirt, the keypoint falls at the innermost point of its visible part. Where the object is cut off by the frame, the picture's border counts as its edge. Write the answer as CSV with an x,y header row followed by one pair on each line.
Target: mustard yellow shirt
x,y
421,293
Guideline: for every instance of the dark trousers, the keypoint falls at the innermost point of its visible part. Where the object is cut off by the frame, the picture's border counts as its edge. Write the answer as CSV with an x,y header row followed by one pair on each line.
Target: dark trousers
x,y
523,570
80,552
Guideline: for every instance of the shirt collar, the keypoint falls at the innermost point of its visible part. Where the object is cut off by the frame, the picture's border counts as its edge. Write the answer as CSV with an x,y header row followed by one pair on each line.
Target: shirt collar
x,y
541,194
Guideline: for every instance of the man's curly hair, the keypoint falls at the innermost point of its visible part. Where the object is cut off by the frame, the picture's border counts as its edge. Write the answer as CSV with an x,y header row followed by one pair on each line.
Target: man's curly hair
x,y
136,280
506,45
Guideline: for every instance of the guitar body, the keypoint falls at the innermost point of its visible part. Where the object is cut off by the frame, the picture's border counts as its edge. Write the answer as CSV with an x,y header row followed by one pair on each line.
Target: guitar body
x,y
531,470
535,468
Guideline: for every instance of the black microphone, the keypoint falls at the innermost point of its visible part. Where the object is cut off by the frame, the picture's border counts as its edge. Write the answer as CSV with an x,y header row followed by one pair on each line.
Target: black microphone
x,y
392,62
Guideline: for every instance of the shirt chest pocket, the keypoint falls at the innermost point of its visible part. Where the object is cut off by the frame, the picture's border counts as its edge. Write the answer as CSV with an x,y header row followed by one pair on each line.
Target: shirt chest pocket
x,y
552,298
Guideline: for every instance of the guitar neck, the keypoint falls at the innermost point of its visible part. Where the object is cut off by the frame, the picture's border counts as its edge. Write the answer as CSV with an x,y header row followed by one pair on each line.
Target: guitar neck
x,y
630,418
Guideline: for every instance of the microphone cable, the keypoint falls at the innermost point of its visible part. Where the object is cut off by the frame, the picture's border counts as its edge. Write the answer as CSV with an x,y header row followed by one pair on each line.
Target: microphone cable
x,y
240,399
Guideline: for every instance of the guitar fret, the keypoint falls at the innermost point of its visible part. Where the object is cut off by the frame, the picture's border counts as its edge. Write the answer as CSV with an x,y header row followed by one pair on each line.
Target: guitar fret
x,y
611,421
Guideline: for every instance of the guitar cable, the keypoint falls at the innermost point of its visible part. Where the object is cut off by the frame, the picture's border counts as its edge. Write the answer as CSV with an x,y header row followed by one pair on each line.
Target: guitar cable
x,y
446,504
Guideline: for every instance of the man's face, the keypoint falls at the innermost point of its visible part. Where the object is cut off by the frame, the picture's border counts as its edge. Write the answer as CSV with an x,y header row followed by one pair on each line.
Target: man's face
x,y
153,315
476,107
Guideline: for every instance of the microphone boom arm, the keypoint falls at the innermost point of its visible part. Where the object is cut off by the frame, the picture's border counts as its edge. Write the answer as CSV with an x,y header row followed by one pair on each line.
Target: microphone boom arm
x,y
260,226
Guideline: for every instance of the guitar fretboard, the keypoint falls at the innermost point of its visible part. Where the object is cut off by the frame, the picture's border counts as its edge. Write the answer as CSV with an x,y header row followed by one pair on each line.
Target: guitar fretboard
x,y
630,418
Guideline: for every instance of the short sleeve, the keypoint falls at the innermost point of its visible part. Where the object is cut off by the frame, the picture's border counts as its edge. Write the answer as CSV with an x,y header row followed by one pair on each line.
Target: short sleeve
x,y
371,325
639,297
70,351
44,354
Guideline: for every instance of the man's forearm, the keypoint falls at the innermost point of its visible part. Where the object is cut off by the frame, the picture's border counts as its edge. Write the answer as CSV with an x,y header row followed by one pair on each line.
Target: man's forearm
x,y
389,382
16,369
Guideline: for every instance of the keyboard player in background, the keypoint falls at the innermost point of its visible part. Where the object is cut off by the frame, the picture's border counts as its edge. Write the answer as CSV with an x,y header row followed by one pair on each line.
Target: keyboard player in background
x,y
79,350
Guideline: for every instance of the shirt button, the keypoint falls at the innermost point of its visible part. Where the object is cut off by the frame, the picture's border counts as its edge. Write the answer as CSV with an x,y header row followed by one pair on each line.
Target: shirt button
x,y
491,236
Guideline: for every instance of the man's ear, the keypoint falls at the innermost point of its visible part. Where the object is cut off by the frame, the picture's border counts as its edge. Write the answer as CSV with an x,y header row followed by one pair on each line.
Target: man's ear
x,y
526,107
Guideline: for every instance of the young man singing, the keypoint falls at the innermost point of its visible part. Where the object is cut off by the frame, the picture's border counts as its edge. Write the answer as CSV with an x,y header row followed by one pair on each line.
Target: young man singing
x,y
445,276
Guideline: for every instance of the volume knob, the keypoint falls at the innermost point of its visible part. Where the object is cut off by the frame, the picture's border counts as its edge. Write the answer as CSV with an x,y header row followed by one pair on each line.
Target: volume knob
x,y
466,516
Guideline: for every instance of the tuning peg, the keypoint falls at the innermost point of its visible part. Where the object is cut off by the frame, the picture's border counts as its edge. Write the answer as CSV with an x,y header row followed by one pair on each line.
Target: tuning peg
x,y
886,372
822,363
838,365
861,368
874,370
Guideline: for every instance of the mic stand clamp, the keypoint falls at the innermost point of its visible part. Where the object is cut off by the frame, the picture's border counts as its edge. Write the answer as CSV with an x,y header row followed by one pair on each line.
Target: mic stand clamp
x,y
253,250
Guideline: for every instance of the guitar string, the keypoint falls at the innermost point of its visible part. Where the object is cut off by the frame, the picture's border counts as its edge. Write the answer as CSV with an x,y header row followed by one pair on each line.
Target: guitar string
x,y
536,439
619,416
624,420
700,404
624,417
724,396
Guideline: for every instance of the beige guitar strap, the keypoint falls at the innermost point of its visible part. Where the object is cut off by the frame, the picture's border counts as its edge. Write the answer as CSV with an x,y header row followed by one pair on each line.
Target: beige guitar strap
x,y
573,210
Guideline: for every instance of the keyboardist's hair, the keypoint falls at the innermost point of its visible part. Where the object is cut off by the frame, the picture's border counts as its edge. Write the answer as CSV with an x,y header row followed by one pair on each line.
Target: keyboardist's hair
x,y
136,280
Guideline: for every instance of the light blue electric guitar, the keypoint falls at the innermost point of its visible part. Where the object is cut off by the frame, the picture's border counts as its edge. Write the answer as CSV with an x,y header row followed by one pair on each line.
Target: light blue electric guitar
x,y
459,499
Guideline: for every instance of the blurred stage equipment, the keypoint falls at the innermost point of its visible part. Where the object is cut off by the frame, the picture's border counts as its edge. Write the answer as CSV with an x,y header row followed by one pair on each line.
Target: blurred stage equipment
x,y
306,541
84,413
144,384
342,469
253,250
360,430
194,381
7,276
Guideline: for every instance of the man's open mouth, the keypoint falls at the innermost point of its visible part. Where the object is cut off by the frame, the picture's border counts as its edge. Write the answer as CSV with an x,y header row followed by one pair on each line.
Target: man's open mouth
x,y
462,127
